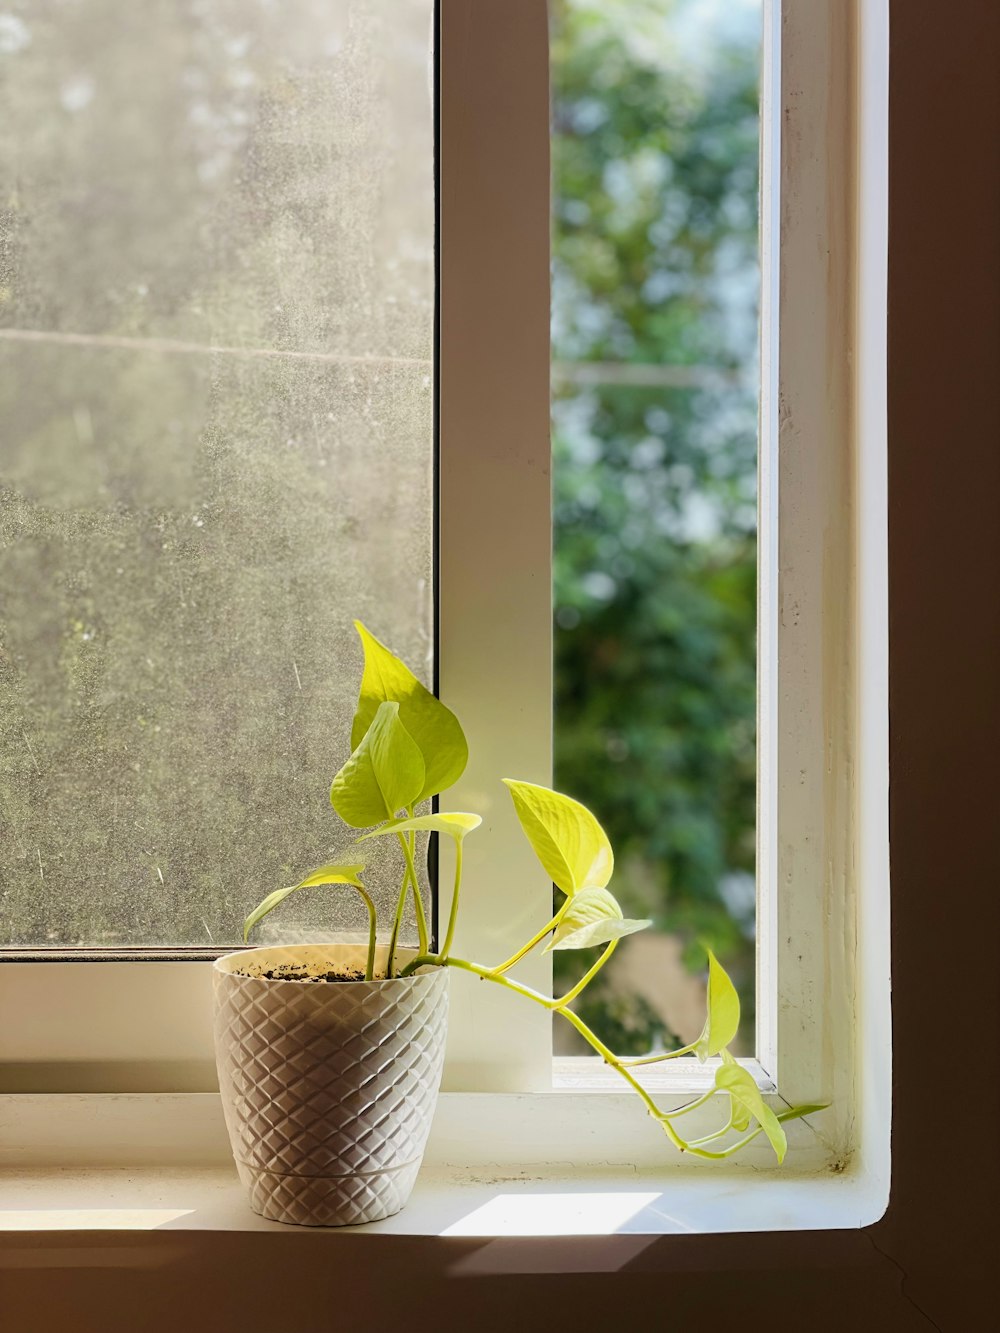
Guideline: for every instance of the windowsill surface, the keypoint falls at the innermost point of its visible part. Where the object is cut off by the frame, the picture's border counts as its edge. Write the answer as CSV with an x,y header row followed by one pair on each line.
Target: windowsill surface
x,y
444,1203
139,1164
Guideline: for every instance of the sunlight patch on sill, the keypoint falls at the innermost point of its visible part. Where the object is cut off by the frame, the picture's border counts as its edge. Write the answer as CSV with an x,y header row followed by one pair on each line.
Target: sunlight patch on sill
x,y
562,1214
89,1219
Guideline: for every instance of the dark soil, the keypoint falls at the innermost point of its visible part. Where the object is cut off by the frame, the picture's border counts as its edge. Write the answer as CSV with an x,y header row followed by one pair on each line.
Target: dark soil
x,y
298,974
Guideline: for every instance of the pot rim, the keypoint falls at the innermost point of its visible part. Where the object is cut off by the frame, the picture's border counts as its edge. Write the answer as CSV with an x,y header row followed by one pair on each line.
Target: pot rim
x,y
228,965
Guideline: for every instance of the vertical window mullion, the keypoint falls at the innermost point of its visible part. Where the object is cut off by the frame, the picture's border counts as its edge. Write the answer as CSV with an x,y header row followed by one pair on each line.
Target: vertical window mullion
x,y
495,504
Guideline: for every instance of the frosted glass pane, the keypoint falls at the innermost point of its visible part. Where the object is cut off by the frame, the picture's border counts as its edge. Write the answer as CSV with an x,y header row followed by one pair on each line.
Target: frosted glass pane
x,y
216,449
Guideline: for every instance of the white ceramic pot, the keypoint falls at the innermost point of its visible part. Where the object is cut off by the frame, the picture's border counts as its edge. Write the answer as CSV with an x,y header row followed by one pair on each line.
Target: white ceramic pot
x,y
328,1087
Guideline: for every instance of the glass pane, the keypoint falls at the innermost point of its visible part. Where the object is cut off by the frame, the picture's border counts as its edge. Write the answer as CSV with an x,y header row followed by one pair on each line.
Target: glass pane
x,y
656,286
216,324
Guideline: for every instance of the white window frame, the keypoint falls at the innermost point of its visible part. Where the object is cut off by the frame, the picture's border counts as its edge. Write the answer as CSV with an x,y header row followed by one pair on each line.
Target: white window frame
x,y
823,973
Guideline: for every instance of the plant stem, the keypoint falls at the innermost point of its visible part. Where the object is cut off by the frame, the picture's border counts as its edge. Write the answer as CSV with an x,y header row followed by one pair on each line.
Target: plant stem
x,y
791,1114
710,1138
453,914
656,1059
724,1152
439,960
698,1101
397,922
663,1118
417,902
370,963
559,1006
535,939
491,974
610,1058
587,977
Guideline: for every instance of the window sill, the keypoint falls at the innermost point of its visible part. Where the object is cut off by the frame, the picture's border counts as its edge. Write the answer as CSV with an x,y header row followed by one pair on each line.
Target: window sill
x,y
144,1163
444,1203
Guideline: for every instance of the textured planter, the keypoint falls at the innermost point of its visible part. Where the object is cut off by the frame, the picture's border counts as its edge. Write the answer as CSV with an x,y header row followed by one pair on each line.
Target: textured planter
x,y
328,1088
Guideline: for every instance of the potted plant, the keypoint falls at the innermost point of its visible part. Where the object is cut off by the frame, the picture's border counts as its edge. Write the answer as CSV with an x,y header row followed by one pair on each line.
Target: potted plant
x,y
330,1055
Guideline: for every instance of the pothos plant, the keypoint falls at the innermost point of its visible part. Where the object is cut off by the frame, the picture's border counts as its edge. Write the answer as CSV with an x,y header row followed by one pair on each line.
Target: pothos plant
x,y
407,747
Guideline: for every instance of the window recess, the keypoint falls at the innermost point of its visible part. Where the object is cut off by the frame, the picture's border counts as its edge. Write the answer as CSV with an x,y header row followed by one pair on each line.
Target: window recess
x,y
822,963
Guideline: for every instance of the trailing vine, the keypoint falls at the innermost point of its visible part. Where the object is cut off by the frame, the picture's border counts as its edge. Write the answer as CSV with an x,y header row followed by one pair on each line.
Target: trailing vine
x,y
407,747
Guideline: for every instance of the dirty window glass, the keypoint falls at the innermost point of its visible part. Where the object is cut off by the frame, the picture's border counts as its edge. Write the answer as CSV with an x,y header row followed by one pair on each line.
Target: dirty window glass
x,y
216,359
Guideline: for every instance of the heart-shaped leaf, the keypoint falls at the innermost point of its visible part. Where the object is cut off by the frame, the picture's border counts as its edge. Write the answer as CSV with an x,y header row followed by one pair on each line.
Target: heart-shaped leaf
x,y
591,917
456,825
337,873
567,839
435,729
739,1114
735,1080
384,774
723,1019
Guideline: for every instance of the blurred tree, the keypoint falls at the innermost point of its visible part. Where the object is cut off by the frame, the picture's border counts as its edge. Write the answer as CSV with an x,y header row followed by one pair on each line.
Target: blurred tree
x,y
655,279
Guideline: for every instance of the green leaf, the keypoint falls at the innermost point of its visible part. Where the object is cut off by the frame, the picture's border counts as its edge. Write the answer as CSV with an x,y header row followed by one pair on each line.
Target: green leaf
x,y
435,729
338,872
740,1114
723,1019
591,917
735,1080
797,1112
384,774
567,839
455,825
329,874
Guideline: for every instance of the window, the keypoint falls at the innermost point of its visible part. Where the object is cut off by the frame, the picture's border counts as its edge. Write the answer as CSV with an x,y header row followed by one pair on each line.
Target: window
x,y
656,296
821,965
218,400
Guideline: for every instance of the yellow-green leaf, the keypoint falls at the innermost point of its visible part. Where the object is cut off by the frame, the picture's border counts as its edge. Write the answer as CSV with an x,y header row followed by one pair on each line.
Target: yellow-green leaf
x,y
739,1114
735,1080
723,1019
329,874
591,917
338,872
565,836
435,729
456,825
384,774
797,1112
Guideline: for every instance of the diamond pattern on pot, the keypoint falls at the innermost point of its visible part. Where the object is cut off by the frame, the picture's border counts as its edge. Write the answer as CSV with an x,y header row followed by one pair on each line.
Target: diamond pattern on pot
x,y
329,1090
325,1201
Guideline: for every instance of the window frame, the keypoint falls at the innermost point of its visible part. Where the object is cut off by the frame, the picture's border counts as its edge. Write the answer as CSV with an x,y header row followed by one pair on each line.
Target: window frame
x,y
823,721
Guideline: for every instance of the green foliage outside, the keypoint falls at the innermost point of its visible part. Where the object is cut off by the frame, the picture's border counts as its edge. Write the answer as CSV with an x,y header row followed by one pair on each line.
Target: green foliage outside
x,y
655,292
